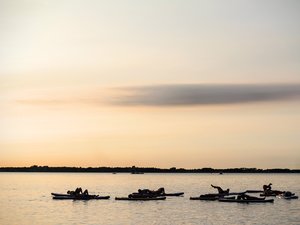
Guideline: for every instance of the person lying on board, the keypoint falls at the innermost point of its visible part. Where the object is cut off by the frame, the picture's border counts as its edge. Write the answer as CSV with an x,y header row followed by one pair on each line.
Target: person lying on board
x,y
220,190
243,196
146,193
159,191
78,192
288,194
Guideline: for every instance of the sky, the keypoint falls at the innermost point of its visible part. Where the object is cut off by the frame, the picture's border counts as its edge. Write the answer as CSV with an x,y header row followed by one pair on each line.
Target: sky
x,y
150,83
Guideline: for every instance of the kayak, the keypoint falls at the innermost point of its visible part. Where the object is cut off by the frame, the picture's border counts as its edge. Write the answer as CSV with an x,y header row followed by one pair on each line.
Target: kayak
x,y
139,199
246,201
172,194
89,197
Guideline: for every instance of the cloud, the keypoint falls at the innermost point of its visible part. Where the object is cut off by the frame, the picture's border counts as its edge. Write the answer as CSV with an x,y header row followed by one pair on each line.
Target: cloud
x,y
170,95
204,94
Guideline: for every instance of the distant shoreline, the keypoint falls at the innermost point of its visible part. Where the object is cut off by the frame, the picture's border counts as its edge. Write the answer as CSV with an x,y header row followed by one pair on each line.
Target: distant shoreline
x,y
140,170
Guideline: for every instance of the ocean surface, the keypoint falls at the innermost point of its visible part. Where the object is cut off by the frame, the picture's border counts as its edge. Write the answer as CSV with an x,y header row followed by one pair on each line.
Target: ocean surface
x,y
25,199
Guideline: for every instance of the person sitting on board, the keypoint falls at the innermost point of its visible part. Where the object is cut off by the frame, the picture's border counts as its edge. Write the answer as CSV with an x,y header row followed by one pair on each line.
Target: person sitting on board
x,y
267,188
220,190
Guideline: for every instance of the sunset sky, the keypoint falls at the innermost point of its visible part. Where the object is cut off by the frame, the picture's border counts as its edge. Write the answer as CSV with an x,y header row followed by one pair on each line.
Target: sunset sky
x,y
150,83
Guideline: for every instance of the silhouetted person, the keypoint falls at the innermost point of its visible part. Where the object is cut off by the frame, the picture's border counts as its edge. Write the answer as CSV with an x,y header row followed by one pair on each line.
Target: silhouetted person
x,y
160,191
146,193
267,188
78,191
288,194
71,192
86,192
220,190
142,193
243,196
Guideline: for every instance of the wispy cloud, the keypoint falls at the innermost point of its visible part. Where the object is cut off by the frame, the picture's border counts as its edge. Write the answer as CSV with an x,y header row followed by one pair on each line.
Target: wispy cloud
x,y
171,95
202,94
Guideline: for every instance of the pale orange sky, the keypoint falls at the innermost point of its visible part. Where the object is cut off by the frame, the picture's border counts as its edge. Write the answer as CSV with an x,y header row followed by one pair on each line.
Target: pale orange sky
x,y
64,66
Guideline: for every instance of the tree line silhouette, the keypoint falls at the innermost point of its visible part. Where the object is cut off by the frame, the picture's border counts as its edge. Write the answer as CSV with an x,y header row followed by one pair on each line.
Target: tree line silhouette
x,y
133,169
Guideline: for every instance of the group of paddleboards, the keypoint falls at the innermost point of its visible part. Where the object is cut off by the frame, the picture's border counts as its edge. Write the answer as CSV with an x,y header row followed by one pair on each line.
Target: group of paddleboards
x,y
243,197
160,194
141,195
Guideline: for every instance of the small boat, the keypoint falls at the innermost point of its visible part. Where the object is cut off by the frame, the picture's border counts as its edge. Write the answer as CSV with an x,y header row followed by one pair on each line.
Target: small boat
x,y
88,197
173,194
140,199
246,201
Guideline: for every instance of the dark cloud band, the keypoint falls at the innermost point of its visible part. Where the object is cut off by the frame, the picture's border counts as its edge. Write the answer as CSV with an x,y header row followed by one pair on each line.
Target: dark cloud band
x,y
201,94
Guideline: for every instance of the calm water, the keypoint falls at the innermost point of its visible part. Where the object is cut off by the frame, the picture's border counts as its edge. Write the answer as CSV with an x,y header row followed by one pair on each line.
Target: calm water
x,y
25,199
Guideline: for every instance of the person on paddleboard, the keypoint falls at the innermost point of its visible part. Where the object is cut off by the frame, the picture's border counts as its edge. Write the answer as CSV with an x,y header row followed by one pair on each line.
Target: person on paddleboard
x,y
220,190
244,196
267,188
71,192
86,192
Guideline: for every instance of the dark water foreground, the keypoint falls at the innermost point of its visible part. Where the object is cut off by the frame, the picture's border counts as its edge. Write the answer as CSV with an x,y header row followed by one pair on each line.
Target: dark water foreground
x,y
25,199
